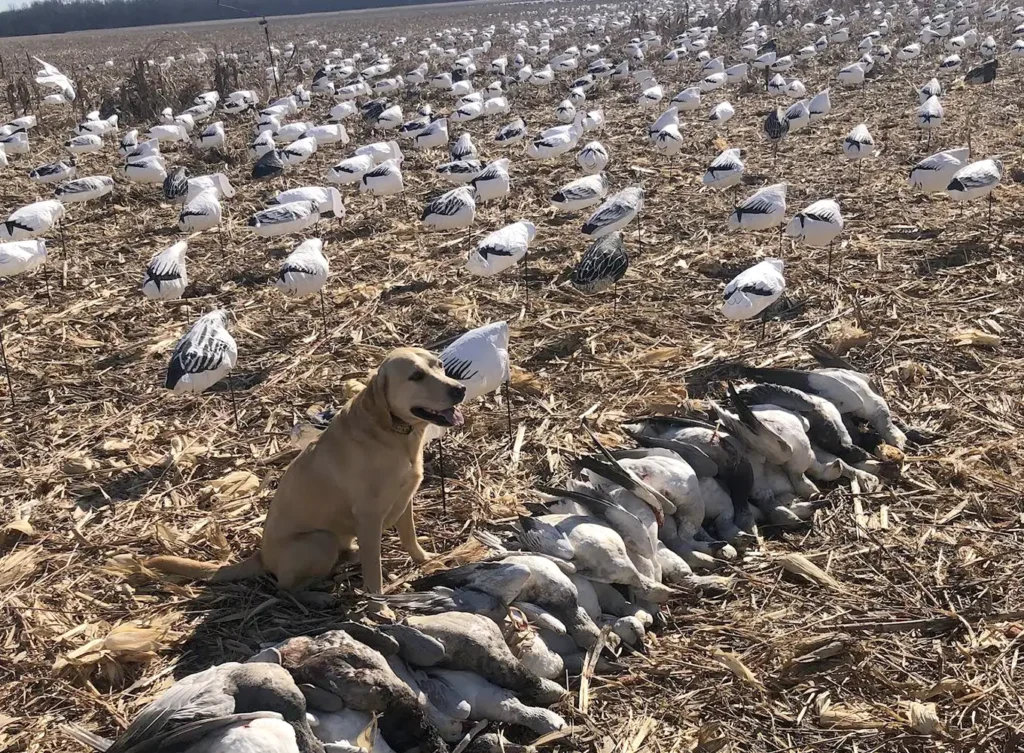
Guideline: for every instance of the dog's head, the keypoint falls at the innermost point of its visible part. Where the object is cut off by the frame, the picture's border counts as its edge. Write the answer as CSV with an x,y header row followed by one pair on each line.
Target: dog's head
x,y
413,384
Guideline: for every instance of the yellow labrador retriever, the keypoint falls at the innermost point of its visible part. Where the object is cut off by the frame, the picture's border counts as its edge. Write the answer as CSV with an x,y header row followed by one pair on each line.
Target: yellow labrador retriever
x,y
354,481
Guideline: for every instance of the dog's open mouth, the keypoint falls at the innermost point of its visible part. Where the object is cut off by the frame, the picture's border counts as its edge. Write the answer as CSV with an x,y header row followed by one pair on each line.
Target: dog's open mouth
x,y
447,417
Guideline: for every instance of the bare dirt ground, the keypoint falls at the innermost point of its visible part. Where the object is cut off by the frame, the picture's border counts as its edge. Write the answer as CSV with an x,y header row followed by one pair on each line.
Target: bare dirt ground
x,y
99,461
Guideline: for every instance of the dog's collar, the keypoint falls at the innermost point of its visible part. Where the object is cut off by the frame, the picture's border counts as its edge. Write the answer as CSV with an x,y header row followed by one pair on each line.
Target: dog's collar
x,y
399,426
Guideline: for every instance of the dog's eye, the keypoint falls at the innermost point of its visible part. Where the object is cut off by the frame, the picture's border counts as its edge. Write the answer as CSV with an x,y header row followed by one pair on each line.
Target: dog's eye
x,y
417,376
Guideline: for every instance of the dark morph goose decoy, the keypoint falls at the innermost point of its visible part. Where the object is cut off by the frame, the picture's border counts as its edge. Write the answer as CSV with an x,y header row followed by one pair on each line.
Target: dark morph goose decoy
x,y
166,276
776,128
84,189
270,165
474,643
216,710
602,265
346,672
176,186
848,390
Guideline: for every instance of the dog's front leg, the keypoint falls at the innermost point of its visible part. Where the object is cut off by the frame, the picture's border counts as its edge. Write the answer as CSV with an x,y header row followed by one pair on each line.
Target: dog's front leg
x,y
407,534
368,533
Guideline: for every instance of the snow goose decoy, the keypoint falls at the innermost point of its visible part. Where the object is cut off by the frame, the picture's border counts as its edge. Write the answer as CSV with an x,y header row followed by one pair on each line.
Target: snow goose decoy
x,y
298,151
304,272
858,145
753,291
818,225
331,133
819,106
976,180
592,158
201,213
512,133
147,170
18,258
351,170
460,172
212,136
262,144
451,210
84,189
479,358
270,165
721,114
933,173
493,182
725,170
328,200
204,356
217,181
84,144
175,186
32,220
762,210
501,249
433,136
463,149
581,193
166,274
54,172
616,213
282,219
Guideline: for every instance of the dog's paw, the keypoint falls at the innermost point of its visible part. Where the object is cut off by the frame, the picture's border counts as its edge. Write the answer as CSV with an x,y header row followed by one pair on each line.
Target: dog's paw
x,y
421,555
380,609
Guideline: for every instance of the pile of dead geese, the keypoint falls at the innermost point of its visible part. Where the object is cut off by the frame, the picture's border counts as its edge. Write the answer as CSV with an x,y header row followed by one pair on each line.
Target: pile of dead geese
x,y
578,581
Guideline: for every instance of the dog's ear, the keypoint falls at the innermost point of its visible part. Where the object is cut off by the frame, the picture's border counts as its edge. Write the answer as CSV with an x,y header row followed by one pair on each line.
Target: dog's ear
x,y
378,392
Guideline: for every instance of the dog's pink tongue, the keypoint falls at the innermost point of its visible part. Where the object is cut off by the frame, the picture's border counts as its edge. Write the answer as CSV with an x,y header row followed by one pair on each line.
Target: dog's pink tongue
x,y
453,416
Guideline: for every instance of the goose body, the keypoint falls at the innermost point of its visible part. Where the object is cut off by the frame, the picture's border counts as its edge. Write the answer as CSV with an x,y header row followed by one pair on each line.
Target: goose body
x,y
581,193
20,257
304,271
602,265
383,180
166,275
201,213
934,173
975,180
54,172
203,356
858,143
84,189
479,358
817,225
493,182
725,170
282,219
592,158
32,220
762,210
501,249
328,200
351,170
616,213
452,209
754,290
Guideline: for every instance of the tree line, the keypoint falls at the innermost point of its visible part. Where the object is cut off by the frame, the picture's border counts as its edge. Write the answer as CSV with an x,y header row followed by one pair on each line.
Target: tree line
x,y
59,16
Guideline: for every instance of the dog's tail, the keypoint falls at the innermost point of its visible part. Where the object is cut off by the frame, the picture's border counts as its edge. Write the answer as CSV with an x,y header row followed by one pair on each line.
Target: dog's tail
x,y
215,572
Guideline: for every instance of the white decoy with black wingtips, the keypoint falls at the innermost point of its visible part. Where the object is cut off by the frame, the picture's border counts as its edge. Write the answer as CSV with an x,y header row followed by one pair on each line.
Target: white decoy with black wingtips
x,y
934,172
32,220
351,170
581,193
493,182
262,144
293,217
54,172
592,158
383,180
212,136
84,189
725,170
203,212
148,170
460,172
204,356
616,213
166,274
463,148
304,272
798,116
762,210
382,151
21,257
929,116
451,210
298,151
753,290
128,143
819,106
721,114
84,144
669,117
858,145
330,133
818,226
512,133
479,359
218,181
328,200
501,249
433,136
932,88
975,181
668,141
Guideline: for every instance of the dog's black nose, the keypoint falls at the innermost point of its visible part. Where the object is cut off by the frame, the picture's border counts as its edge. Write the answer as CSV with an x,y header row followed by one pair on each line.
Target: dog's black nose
x,y
457,393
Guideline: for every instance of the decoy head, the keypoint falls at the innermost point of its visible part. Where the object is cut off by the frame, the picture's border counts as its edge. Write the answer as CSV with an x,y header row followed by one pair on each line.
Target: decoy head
x,y
412,384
